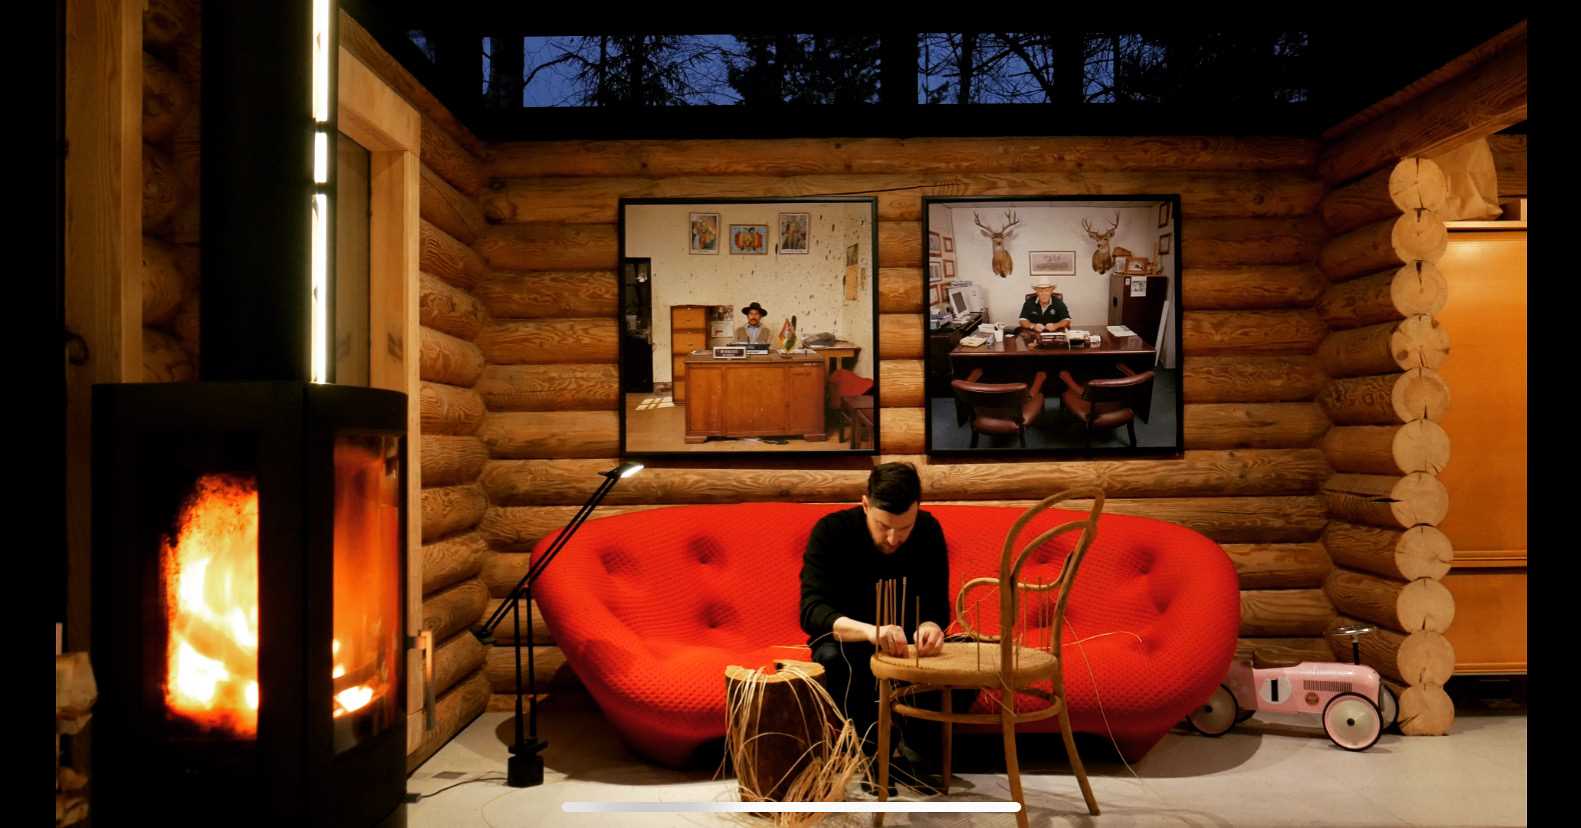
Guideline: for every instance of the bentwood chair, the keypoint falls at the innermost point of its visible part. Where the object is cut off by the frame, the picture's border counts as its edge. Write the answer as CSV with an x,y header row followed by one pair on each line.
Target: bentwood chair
x,y
1000,408
994,662
1107,403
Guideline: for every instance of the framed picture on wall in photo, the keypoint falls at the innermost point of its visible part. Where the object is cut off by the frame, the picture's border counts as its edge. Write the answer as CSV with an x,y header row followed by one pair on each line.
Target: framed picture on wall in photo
x,y
935,272
935,245
795,229
1164,243
949,268
949,244
1053,262
704,229
1163,214
749,239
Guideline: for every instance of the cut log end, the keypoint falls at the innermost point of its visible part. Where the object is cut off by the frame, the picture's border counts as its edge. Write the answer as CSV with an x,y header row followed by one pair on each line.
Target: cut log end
x,y
1426,710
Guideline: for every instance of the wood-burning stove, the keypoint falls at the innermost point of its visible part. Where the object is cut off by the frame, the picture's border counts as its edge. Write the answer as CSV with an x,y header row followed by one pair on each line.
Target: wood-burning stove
x,y
248,596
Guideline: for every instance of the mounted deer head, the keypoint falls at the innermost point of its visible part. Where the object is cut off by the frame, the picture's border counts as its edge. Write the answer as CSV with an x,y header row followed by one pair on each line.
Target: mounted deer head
x,y
1003,264
1102,258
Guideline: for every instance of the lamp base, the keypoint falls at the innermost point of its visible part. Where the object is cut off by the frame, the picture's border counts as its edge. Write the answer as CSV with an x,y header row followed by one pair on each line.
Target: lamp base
x,y
525,767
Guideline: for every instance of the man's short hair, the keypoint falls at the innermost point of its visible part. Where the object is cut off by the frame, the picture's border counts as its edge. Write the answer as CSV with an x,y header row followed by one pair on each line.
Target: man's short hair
x,y
893,487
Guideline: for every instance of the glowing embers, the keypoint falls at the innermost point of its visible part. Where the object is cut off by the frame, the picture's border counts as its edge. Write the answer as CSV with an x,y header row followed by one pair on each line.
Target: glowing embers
x,y
209,578
367,585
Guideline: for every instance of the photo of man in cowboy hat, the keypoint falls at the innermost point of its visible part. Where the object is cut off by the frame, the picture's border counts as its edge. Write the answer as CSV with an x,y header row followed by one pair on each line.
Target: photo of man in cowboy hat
x,y
754,331
1044,311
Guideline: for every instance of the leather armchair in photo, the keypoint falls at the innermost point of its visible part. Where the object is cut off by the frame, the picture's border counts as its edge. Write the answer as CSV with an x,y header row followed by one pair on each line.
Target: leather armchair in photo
x,y
1108,403
1000,408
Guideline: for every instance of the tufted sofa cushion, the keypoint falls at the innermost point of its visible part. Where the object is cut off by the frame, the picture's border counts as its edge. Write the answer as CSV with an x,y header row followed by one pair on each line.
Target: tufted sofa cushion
x,y
649,607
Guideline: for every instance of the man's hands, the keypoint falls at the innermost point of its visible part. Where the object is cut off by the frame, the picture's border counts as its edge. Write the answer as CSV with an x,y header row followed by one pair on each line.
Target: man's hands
x,y
891,640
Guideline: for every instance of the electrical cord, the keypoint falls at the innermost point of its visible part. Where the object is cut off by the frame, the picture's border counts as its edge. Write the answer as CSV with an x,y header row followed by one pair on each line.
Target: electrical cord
x,y
416,797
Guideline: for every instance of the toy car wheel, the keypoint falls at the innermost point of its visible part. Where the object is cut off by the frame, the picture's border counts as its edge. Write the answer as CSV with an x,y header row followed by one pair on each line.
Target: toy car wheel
x,y
1217,715
1352,722
1390,709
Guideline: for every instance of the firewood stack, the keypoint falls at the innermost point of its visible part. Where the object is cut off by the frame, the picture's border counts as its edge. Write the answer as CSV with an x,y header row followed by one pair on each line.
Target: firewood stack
x,y
1386,399
172,70
75,692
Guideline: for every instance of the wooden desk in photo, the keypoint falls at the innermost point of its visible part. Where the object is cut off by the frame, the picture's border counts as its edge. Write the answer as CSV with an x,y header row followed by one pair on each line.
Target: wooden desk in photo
x,y
760,396
841,354
1016,359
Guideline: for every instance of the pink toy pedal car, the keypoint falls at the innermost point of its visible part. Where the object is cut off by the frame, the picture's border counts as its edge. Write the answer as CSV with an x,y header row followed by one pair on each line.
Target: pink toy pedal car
x,y
1355,704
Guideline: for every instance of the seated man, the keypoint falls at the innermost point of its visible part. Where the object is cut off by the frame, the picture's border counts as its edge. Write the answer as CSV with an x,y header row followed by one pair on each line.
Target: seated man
x,y
1044,311
754,331
849,552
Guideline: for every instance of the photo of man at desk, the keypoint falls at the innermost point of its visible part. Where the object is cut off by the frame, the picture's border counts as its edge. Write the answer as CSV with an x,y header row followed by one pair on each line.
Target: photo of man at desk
x,y
1066,352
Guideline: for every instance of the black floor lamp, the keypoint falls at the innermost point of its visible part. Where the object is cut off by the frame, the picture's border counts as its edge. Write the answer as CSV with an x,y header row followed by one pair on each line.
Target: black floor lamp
x,y
525,767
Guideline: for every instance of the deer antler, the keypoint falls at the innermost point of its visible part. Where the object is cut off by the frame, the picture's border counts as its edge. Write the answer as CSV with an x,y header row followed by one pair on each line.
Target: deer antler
x,y
1010,216
1116,224
1087,225
979,221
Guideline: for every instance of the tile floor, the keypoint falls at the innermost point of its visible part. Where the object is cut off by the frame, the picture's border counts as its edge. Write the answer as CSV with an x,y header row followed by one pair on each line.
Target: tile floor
x,y
1269,771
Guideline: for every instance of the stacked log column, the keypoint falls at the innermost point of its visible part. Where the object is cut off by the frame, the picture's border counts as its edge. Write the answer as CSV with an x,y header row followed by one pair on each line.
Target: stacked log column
x,y
1252,473
1386,400
452,455
171,122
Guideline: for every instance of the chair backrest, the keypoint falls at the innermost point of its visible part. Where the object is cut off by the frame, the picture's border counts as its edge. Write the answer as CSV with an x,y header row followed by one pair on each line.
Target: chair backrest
x,y
1057,295
1002,401
1010,571
1114,394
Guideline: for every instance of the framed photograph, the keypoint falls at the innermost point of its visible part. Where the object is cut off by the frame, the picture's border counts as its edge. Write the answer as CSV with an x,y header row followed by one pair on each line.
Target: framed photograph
x,y
704,229
1057,238
1164,214
1053,262
1164,243
795,229
935,245
749,239
733,341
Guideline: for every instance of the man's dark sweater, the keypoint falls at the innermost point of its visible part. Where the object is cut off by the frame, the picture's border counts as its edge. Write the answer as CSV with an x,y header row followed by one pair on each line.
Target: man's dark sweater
x,y
841,567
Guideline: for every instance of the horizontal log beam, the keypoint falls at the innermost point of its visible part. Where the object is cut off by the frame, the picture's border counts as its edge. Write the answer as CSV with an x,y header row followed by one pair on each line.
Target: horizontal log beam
x,y
550,246
551,294
900,290
1286,649
900,431
455,163
1251,379
899,244
595,200
1386,244
1250,241
1416,659
443,255
532,621
164,190
1509,159
1278,566
1426,710
457,659
1414,342
447,208
900,336
451,510
1383,500
446,409
450,461
449,360
1285,612
1389,399
166,100
1417,446
562,387
1258,472
1403,606
453,560
904,156
164,360
550,341
1218,332
1250,288
1411,290
448,309
549,669
167,22
452,610
1477,103
1408,554
552,434
164,283
1253,425
900,383
1411,184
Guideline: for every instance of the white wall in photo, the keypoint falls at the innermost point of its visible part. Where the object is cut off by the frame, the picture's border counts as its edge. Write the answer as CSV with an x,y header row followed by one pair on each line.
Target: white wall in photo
x,y
809,285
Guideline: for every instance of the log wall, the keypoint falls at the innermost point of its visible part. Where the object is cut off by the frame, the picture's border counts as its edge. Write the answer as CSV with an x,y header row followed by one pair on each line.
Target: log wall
x,y
1252,474
1386,449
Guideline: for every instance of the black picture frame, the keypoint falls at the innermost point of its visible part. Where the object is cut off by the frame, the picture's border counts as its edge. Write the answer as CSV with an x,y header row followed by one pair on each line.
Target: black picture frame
x,y
870,285
1052,386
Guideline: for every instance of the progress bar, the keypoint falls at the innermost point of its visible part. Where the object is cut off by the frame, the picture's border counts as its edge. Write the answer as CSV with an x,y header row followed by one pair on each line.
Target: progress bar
x,y
791,807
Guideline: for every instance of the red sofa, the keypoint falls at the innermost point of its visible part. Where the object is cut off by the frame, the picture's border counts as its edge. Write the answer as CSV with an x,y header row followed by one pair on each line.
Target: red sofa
x,y
649,607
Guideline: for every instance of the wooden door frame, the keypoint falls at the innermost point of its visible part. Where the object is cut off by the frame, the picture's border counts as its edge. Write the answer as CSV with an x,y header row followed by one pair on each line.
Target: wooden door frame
x,y
371,113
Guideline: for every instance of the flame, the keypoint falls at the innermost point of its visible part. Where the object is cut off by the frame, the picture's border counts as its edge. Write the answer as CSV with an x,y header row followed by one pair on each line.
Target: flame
x,y
211,604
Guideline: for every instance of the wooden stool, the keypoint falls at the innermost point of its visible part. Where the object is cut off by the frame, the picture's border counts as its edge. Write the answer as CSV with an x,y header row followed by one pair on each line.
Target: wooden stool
x,y
788,720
